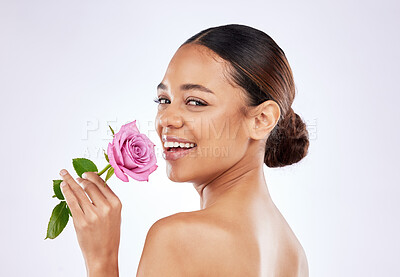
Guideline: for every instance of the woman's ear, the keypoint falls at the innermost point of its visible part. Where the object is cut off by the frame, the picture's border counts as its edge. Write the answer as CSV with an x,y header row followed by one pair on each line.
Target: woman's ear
x,y
264,118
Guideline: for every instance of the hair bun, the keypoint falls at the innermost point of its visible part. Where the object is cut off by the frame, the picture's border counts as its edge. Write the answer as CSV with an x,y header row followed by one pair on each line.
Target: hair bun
x,y
288,142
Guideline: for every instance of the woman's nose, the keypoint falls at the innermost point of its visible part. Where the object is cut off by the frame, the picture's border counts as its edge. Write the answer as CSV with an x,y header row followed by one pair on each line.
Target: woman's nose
x,y
170,119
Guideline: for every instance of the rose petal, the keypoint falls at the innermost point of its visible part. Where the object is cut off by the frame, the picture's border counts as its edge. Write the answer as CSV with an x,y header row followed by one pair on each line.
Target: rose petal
x,y
151,170
144,176
117,148
125,137
146,166
128,159
140,151
130,128
136,176
111,157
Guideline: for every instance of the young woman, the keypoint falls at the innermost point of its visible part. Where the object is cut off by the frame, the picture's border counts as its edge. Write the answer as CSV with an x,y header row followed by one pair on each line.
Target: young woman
x,y
224,110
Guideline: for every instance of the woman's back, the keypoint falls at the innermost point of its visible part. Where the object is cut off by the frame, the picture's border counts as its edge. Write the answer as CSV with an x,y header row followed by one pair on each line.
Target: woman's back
x,y
252,240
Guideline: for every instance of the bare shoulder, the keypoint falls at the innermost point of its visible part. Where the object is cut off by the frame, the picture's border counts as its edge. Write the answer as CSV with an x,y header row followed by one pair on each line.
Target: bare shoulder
x,y
293,261
303,264
290,253
185,244
161,255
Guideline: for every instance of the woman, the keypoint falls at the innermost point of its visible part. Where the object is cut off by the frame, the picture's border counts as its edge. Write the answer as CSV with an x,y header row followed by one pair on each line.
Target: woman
x,y
228,92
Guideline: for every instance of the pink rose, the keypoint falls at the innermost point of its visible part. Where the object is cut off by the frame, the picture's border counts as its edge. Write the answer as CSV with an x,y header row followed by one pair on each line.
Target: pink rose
x,y
132,153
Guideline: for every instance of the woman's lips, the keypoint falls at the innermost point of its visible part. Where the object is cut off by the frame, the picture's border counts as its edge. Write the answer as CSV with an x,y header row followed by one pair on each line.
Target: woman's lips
x,y
176,153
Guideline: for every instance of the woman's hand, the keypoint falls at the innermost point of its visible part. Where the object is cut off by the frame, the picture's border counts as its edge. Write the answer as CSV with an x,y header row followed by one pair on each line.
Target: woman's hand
x,y
97,224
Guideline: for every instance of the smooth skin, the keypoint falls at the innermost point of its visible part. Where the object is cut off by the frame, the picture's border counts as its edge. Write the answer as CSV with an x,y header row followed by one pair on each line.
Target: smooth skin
x,y
238,230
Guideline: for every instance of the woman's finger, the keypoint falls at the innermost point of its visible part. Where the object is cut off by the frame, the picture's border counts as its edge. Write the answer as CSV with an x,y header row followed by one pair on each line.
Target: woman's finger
x,y
103,187
94,192
72,202
78,191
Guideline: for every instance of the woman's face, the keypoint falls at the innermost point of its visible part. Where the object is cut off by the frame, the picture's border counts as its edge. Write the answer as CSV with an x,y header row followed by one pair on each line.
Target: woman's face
x,y
211,120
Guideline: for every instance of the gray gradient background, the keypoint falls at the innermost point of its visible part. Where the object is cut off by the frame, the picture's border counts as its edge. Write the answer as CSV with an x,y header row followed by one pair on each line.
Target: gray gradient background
x,y
68,68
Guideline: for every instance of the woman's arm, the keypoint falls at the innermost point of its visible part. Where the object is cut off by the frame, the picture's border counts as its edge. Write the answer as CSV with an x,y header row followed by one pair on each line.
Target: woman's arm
x,y
107,268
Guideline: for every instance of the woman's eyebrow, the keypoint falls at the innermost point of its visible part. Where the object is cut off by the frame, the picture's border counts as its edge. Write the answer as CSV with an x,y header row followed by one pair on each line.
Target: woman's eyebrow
x,y
162,86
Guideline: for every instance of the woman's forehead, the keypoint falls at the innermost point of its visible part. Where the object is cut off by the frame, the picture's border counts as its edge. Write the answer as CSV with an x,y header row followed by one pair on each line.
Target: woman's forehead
x,y
196,65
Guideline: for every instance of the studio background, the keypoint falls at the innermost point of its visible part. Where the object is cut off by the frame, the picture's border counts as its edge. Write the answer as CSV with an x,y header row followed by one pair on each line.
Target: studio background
x,y
70,68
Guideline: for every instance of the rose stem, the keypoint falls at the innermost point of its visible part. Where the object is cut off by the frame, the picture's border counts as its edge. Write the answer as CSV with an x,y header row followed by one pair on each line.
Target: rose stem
x,y
104,169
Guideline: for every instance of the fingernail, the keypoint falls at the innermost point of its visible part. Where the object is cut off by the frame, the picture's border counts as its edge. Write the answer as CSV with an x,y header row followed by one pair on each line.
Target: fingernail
x,y
63,172
79,180
62,184
84,175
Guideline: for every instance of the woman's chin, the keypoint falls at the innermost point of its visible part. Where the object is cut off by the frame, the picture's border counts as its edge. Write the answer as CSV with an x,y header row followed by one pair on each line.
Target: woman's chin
x,y
177,176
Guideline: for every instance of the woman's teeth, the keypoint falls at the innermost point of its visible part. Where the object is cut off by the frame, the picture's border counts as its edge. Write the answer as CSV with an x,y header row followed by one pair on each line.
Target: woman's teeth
x,y
170,144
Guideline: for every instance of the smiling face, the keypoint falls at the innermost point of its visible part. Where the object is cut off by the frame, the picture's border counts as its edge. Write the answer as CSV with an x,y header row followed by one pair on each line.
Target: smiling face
x,y
199,104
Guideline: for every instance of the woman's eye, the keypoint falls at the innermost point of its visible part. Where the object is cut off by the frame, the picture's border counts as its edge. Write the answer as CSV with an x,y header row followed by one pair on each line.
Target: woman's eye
x,y
196,102
200,103
160,100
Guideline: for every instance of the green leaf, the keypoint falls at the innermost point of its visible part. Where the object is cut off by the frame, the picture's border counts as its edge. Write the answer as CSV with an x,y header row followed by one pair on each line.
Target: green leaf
x,y
105,155
58,220
82,165
110,173
54,196
112,131
69,211
57,189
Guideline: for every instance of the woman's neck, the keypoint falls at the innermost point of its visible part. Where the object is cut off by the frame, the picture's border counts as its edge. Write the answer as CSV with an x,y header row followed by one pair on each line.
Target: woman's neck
x,y
245,178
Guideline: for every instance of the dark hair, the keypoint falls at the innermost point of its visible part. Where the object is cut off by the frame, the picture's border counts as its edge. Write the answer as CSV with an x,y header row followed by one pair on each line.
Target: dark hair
x,y
260,67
